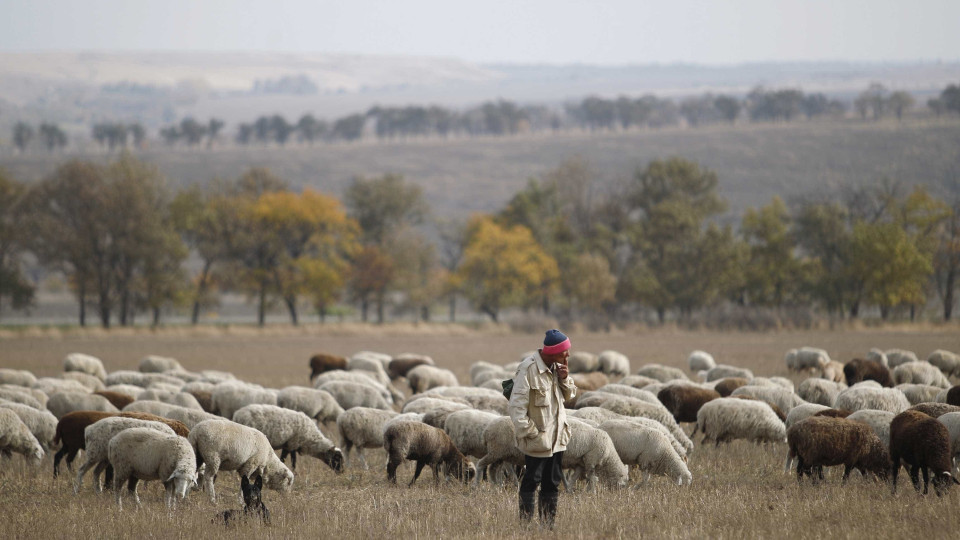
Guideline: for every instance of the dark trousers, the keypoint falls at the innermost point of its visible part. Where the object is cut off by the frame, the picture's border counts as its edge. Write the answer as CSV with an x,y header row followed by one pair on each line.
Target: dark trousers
x,y
543,472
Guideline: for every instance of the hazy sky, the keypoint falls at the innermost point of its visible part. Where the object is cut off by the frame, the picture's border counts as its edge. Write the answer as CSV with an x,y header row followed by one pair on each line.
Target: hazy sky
x,y
516,31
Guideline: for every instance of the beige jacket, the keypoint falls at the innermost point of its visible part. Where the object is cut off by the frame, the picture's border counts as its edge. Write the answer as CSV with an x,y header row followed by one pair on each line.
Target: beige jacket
x,y
536,408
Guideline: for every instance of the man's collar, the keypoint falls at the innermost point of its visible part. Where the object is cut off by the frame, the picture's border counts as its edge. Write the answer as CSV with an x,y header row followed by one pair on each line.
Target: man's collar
x,y
540,363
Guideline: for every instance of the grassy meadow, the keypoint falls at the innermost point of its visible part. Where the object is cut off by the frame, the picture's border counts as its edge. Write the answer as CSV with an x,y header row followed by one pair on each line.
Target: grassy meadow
x,y
738,491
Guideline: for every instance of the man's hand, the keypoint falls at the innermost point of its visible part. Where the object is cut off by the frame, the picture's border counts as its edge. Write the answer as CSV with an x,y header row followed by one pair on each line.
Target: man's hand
x,y
562,371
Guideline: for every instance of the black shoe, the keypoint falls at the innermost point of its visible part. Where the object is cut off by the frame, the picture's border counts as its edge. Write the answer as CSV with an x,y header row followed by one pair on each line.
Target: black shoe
x,y
548,509
526,506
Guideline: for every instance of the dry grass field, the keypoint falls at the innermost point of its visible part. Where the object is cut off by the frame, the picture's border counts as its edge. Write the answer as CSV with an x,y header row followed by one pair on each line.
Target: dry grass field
x,y
739,490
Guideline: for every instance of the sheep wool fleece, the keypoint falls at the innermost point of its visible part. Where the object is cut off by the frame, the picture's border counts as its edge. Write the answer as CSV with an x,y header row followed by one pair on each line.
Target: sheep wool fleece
x,y
536,408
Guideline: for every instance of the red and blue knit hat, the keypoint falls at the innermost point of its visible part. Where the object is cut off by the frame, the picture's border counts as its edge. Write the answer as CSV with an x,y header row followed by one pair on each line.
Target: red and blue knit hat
x,y
555,342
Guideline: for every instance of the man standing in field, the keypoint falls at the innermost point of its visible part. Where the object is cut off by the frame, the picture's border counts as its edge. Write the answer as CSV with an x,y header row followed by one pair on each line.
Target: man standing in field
x,y
540,387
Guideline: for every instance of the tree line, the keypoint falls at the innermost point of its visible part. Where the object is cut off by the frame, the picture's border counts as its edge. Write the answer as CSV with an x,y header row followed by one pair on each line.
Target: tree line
x,y
563,245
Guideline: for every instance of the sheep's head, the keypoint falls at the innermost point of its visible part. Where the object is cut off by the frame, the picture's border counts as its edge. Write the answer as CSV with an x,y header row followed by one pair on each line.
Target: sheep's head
x,y
942,483
463,469
279,478
37,454
183,481
334,459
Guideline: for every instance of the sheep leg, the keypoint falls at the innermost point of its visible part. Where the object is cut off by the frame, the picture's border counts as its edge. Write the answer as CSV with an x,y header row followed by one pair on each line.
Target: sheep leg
x,y
392,470
926,479
896,471
82,470
363,460
132,488
915,477
283,455
846,474
97,485
118,480
799,469
56,460
416,474
293,459
213,466
482,466
170,499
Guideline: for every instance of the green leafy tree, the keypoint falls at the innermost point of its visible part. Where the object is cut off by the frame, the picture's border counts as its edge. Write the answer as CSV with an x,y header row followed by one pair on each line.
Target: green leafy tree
x,y
893,268
214,127
900,102
22,135
14,236
825,237
772,272
384,204
52,136
946,259
192,131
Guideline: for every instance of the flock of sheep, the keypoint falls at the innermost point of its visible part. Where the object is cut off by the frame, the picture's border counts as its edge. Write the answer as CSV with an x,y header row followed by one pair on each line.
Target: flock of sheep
x,y
182,428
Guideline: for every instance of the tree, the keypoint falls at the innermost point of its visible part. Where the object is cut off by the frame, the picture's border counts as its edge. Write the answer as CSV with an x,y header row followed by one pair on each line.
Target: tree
x,y
310,129
281,129
192,131
899,102
950,97
417,272
349,128
170,135
384,204
138,133
729,107
370,275
873,100
22,135
946,260
504,267
214,126
14,236
52,136
825,237
453,242
587,283
772,272
893,269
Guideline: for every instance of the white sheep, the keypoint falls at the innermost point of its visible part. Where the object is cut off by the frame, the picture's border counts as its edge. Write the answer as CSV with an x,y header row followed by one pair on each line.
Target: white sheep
x,y
42,424
804,411
128,389
478,398
97,437
181,399
317,404
18,377
876,419
700,361
85,364
352,394
359,377
216,376
227,445
591,453
479,367
920,393
948,362
292,432
62,403
648,449
777,382
634,407
189,417
144,454
52,385
952,421
898,357
822,391
184,375
877,355
859,397
637,381
614,363
662,373
833,371
424,404
920,373
491,375
582,362
17,396
777,395
15,436
362,427
722,371
425,377
229,397
465,429
158,364
90,382
383,359
598,416
500,441
130,377
624,390
37,394
373,366
164,387
806,358
726,419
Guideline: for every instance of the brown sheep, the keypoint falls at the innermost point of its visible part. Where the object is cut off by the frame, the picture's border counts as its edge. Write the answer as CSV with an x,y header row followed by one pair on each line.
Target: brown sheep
x,y
70,430
953,395
398,367
321,363
204,398
834,413
726,386
684,401
590,381
426,445
859,369
923,443
818,442
118,399
777,410
936,410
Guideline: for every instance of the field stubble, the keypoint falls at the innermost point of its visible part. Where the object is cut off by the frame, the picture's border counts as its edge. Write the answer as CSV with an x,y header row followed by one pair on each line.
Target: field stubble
x,y
739,490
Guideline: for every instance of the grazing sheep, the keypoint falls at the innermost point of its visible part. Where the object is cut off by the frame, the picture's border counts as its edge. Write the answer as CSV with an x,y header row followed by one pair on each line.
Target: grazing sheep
x,y
425,403
188,417
291,432
491,375
597,415
879,421
23,398
322,363
833,371
723,371
97,436
158,364
400,365
614,363
877,355
624,390
806,358
898,357
253,507
362,427
919,393
425,377
317,404
85,363
185,376
591,453
465,429
478,398
117,399
802,412
923,443
438,417
634,407
372,365
500,440
90,382
834,413
946,361
935,410
773,406
856,398
649,449
700,361
920,373
591,381
352,394
359,377
479,367
952,421
229,446
726,386
62,403
953,395
162,387
726,419
426,445
228,398
15,436
216,376
144,454
583,362
52,385
818,442
822,391
662,373
636,381
17,377
128,389
684,402
784,399
143,380
182,399
42,424
858,370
